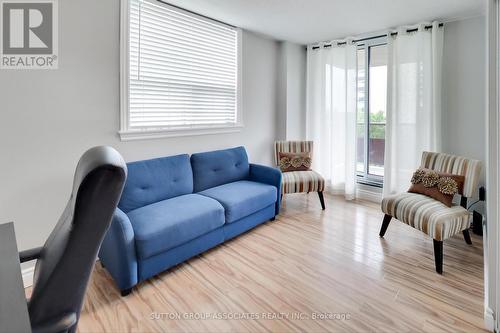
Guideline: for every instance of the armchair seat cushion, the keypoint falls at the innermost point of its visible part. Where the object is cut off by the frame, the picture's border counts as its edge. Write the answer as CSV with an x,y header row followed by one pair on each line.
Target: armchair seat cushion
x,y
169,223
302,181
242,198
427,215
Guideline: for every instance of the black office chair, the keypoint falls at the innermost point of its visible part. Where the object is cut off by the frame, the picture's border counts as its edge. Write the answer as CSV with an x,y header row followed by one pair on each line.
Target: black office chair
x,y
66,260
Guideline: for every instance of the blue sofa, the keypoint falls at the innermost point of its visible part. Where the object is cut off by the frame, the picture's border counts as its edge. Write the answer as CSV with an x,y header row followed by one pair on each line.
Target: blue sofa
x,y
176,207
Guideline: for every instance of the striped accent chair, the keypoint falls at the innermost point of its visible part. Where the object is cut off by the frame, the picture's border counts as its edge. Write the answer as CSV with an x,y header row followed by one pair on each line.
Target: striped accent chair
x,y
431,216
299,181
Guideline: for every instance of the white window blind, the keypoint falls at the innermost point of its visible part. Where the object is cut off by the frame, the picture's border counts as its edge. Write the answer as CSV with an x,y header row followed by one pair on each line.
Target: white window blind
x,y
183,69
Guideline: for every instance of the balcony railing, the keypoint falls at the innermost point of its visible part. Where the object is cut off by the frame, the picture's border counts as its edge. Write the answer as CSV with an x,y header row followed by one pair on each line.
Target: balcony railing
x,y
376,149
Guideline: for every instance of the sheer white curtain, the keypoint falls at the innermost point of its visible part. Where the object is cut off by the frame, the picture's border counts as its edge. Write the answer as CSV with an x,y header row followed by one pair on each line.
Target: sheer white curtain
x,y
413,102
331,114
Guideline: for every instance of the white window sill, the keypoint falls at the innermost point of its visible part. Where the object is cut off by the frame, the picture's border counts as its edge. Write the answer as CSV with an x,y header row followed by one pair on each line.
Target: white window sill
x,y
130,135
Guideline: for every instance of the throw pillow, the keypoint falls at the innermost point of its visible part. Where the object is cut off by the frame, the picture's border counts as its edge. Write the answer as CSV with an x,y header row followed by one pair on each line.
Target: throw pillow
x,y
437,185
294,162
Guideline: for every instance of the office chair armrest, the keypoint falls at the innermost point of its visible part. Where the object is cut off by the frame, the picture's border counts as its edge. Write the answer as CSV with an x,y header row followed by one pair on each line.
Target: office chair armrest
x,y
270,176
62,324
31,254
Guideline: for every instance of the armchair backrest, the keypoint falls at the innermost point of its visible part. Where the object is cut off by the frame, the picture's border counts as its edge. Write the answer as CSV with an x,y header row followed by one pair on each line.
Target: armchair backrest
x,y
457,165
291,147
66,260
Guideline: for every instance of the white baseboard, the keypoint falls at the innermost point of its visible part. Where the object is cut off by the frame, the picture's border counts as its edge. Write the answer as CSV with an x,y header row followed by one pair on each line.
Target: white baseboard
x,y
489,320
369,195
363,192
27,274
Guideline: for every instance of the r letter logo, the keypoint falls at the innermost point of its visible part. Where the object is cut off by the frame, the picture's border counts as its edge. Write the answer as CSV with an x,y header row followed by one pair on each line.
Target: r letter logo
x,y
29,34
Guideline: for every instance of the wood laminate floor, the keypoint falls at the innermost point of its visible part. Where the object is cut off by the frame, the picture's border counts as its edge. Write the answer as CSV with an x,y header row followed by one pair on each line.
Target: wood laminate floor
x,y
310,270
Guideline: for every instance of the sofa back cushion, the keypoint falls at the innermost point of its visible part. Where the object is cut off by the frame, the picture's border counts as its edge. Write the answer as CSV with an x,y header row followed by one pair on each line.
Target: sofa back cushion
x,y
155,180
219,167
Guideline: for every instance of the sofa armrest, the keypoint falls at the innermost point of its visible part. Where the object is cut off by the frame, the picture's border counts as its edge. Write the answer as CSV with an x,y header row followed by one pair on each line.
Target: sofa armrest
x,y
117,251
267,175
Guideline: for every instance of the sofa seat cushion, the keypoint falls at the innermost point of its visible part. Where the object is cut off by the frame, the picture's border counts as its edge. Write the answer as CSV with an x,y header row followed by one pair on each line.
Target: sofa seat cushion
x,y
242,198
166,224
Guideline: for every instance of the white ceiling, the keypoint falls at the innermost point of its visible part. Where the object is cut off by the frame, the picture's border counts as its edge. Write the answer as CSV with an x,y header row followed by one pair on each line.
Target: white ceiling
x,y
308,21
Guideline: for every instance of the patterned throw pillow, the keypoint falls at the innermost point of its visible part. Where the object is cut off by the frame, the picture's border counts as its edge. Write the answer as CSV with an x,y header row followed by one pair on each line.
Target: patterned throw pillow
x,y
437,185
294,162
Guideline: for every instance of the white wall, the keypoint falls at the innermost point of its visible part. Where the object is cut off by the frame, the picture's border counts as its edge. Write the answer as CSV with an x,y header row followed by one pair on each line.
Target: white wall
x,y
492,232
464,89
291,92
49,118
281,91
296,91
466,122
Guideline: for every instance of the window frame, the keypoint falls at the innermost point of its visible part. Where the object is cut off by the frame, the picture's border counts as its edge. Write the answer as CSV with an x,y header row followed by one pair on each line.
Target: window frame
x,y
125,132
365,177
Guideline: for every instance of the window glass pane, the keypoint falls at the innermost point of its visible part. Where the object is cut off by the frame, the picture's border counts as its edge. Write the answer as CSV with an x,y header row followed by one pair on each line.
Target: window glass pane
x,y
182,70
377,107
361,126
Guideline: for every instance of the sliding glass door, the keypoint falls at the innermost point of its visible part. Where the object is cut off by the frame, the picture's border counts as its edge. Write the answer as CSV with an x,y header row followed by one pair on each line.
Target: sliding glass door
x,y
371,110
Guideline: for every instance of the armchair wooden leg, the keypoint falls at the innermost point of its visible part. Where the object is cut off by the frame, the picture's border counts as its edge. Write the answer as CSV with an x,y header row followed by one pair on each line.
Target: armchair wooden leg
x,y
438,255
385,224
467,236
322,200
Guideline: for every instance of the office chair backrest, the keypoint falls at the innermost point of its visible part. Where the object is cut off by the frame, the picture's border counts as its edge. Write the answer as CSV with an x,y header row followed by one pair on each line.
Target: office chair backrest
x,y
62,272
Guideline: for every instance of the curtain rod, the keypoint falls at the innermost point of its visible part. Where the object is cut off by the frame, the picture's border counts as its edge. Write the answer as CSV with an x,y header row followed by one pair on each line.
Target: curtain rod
x,y
427,27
